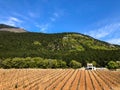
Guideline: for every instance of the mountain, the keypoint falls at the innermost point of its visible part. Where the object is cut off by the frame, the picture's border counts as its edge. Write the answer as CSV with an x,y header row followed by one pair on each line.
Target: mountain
x,y
4,27
66,46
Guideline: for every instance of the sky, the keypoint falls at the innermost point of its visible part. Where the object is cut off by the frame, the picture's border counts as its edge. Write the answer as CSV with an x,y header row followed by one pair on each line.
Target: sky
x,y
97,18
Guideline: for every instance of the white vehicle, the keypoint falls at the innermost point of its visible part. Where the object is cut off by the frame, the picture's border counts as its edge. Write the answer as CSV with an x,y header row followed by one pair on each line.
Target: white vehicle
x,y
90,66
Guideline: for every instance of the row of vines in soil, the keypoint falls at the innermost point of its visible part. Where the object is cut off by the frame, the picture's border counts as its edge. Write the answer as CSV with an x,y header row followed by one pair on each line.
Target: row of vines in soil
x,y
59,79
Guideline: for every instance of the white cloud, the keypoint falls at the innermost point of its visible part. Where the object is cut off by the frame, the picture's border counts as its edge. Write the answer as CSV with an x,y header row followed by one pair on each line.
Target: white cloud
x,y
8,23
14,19
21,16
43,27
104,30
114,41
56,14
47,25
52,19
11,21
33,15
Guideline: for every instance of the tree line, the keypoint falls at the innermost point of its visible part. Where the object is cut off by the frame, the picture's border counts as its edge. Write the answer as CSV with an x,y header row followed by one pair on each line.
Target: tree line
x,y
38,62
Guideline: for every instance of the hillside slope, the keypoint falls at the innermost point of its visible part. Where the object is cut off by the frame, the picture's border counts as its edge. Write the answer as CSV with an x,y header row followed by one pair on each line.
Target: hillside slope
x,y
65,46
8,28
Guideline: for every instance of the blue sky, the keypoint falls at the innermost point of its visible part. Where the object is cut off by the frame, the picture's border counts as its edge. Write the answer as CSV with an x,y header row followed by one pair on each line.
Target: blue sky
x,y
97,18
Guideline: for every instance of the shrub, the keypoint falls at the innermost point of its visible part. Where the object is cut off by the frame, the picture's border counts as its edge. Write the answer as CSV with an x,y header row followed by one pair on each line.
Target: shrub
x,y
74,64
112,65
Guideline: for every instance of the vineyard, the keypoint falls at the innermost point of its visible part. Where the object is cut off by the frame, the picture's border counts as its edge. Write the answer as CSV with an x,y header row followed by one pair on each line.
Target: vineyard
x,y
58,79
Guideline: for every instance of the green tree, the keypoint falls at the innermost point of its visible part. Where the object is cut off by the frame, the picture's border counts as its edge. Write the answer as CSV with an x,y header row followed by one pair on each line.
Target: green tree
x,y
0,63
74,64
37,43
94,63
112,65
118,62
61,64
7,63
54,64
45,63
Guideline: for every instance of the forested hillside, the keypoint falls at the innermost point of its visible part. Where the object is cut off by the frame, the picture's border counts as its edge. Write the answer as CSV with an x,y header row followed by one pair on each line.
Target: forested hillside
x,y
60,46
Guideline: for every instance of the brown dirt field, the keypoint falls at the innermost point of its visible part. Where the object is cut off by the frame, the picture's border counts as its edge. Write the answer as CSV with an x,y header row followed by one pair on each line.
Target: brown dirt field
x,y
95,82
58,79
82,85
75,83
88,81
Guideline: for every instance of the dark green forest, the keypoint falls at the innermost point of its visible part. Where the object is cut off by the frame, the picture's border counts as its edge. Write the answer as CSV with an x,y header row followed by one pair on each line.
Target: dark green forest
x,y
59,46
